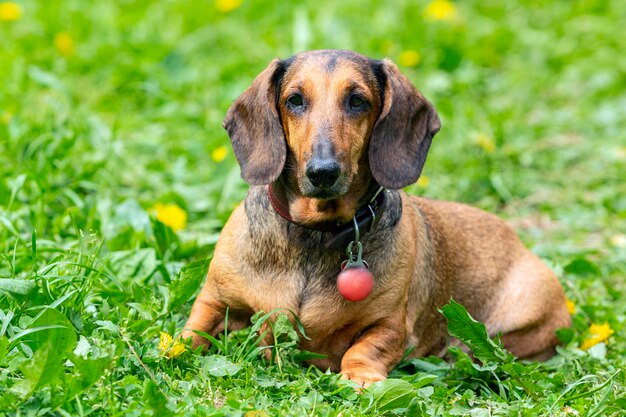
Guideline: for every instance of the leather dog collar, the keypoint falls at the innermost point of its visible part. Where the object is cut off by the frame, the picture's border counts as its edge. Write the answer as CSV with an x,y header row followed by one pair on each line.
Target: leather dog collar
x,y
343,233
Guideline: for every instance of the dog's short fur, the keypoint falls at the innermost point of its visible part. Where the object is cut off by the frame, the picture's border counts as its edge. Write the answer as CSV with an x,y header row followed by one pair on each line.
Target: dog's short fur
x,y
366,117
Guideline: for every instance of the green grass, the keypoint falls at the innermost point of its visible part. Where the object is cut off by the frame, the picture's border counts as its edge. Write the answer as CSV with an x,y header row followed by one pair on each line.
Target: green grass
x,y
89,142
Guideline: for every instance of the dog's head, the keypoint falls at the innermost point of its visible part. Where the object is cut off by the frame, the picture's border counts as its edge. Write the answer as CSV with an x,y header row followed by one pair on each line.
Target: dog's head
x,y
329,120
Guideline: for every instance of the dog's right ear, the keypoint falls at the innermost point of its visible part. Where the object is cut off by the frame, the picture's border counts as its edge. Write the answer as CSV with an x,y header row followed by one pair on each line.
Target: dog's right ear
x,y
254,128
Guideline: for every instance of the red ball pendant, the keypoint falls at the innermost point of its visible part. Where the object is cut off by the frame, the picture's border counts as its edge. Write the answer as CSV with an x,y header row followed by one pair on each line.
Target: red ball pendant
x,y
355,284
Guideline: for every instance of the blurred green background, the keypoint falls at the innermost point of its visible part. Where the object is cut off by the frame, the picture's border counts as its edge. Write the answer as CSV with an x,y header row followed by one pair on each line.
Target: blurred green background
x,y
125,99
108,109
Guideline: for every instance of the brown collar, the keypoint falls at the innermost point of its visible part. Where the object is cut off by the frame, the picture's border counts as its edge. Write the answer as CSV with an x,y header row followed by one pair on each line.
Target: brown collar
x,y
343,234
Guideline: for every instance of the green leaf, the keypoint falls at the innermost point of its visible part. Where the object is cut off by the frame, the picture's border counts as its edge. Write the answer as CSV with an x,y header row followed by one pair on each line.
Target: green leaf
x,y
432,365
16,286
155,399
217,365
311,400
583,267
420,380
283,327
425,392
392,394
466,366
473,333
416,409
305,355
4,347
86,373
50,326
566,335
598,351
40,370
109,326
145,311
133,264
186,283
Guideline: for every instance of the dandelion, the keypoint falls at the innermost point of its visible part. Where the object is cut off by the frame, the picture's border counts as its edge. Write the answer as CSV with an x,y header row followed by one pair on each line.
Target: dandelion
x,y
599,333
409,58
423,181
219,154
571,307
485,142
226,6
171,215
256,413
443,10
64,44
10,11
168,347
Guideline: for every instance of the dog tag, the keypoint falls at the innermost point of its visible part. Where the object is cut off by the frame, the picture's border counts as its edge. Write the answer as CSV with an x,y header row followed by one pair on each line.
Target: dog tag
x,y
355,281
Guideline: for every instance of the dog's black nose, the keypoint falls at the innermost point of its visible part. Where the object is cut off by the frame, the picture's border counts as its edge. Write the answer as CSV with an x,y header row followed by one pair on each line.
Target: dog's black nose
x,y
323,173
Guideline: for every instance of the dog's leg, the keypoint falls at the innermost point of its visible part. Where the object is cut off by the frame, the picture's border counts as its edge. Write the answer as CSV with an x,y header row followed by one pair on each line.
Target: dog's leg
x,y
377,351
530,310
207,314
536,343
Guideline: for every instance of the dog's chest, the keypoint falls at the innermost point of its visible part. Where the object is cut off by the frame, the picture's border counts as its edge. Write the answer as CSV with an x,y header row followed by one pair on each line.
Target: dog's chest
x,y
301,268
289,267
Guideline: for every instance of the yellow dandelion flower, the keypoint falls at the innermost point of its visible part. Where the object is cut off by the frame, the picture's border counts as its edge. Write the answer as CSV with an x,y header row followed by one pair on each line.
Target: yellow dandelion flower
x,y
599,333
219,154
64,44
571,307
226,6
256,413
485,142
10,11
409,58
168,347
423,181
443,10
171,215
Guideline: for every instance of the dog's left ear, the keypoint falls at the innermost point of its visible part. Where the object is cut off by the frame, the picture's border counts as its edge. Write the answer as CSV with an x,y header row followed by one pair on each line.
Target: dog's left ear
x,y
254,128
402,135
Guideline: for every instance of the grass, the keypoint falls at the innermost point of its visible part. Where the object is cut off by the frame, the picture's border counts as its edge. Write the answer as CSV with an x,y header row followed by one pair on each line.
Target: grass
x,y
109,108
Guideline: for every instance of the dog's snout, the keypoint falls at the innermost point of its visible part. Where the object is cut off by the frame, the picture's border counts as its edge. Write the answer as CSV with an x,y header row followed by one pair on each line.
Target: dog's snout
x,y
323,173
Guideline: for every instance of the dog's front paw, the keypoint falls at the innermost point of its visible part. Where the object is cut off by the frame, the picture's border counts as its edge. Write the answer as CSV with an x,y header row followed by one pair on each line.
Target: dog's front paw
x,y
363,377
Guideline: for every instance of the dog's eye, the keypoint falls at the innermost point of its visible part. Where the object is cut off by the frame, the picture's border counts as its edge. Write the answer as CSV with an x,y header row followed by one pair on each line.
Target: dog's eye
x,y
356,102
295,100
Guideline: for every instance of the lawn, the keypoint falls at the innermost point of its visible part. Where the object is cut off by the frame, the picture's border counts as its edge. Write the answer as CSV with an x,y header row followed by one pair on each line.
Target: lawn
x,y
116,178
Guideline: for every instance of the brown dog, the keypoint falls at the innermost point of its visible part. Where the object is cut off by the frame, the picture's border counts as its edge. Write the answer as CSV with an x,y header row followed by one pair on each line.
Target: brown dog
x,y
317,135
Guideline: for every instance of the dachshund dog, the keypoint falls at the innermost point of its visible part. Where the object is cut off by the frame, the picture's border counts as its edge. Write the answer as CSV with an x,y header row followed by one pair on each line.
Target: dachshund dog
x,y
327,139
